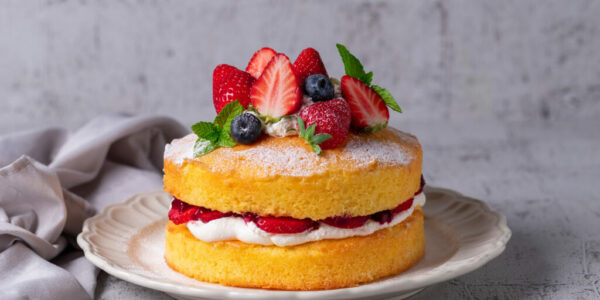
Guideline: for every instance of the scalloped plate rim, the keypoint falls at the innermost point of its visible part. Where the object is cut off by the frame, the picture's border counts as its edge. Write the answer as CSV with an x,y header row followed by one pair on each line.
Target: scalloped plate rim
x,y
446,271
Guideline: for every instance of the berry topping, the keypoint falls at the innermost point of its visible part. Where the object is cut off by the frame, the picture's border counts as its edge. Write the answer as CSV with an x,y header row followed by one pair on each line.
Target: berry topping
x,y
230,84
369,112
331,117
259,61
403,206
245,128
383,217
182,212
386,216
276,92
318,87
346,222
206,215
285,224
307,63
368,102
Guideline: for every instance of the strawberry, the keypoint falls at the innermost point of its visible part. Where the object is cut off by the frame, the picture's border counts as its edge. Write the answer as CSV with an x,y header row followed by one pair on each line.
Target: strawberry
x,y
230,84
206,215
182,212
259,61
307,63
421,186
403,206
382,217
285,224
276,92
346,222
369,112
332,117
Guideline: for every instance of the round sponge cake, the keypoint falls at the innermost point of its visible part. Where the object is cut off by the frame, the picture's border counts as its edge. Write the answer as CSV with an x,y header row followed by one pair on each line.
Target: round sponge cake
x,y
284,177
324,264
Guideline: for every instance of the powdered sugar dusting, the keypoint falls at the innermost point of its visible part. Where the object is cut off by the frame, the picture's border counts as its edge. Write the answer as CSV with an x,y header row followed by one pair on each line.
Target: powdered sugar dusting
x,y
180,149
390,148
285,160
376,151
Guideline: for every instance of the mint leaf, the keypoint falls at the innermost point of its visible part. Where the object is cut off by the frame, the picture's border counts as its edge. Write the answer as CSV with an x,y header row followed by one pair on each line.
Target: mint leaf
x,y
387,98
230,111
216,134
225,140
204,129
367,78
353,67
203,146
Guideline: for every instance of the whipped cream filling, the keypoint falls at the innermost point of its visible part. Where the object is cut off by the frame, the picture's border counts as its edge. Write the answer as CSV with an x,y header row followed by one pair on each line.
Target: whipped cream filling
x,y
235,228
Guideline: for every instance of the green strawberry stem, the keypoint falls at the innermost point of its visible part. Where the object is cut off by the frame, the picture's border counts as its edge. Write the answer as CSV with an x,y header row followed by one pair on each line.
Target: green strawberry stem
x,y
308,134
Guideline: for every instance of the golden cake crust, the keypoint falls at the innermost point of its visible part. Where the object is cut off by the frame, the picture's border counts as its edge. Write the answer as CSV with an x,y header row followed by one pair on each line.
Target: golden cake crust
x,y
284,177
325,264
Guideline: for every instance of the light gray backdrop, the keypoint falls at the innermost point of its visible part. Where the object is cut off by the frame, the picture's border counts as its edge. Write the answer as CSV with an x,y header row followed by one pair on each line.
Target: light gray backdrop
x,y
62,62
504,96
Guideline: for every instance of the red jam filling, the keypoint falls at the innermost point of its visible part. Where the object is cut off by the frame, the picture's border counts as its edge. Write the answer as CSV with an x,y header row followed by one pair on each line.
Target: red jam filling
x,y
182,212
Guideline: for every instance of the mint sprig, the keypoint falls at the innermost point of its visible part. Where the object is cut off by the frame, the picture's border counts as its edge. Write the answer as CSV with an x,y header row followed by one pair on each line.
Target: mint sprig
x,y
354,68
308,134
217,133
387,98
352,65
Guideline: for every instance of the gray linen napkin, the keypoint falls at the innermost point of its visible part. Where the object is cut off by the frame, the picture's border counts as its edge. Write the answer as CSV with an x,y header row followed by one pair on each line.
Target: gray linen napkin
x,y
52,180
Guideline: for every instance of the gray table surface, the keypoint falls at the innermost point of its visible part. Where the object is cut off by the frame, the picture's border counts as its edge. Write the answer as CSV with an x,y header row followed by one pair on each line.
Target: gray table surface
x,y
540,175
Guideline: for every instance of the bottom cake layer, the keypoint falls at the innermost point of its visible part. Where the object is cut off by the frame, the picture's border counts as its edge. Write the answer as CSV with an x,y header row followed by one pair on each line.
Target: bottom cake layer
x,y
325,264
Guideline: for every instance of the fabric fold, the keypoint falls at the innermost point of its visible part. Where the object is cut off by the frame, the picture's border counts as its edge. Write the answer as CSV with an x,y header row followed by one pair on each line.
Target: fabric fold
x,y
51,180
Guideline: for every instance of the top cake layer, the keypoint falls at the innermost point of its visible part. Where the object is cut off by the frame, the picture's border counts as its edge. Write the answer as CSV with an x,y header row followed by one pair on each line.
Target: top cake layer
x,y
291,156
284,177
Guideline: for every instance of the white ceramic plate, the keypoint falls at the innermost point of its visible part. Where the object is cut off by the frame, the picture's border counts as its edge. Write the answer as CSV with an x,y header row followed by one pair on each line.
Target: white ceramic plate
x,y
127,239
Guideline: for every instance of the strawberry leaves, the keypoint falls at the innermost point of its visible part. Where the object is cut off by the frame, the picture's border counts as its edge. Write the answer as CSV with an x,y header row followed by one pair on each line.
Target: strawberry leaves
x,y
354,68
217,133
308,134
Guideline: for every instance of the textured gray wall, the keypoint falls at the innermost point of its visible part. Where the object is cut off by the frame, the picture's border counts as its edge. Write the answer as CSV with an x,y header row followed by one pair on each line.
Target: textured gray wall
x,y
63,62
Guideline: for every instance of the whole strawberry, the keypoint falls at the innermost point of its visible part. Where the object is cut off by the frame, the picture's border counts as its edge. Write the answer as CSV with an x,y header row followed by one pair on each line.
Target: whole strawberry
x,y
308,63
230,84
331,117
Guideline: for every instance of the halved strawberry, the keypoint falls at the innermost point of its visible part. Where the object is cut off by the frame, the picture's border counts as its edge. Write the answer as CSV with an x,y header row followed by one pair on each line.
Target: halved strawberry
x,y
369,112
259,61
285,224
182,212
230,84
346,222
308,63
403,206
276,92
206,215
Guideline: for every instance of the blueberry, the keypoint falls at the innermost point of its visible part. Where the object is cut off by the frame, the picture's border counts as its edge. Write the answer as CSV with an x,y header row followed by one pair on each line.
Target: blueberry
x,y
245,128
318,87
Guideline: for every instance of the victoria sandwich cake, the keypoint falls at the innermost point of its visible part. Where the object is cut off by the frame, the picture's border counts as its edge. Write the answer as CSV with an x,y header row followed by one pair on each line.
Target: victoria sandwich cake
x,y
298,183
